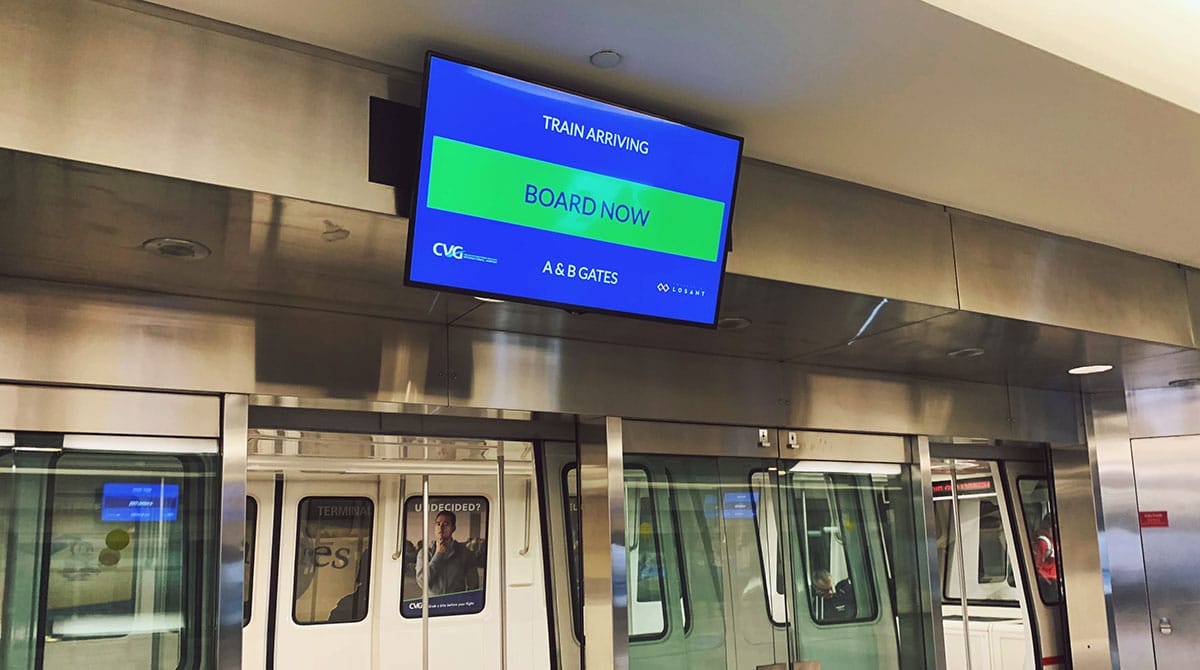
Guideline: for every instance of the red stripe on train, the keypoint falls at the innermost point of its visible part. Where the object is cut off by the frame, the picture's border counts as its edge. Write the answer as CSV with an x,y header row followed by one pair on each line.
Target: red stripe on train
x,y
1053,660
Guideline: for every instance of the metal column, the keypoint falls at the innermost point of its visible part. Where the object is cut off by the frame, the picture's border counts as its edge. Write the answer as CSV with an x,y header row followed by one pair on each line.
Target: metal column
x,y
602,517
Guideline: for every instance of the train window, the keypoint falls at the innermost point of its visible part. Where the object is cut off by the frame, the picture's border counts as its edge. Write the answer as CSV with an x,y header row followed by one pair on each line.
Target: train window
x,y
829,513
333,560
457,555
105,555
647,611
248,558
685,603
988,570
1043,543
765,507
647,604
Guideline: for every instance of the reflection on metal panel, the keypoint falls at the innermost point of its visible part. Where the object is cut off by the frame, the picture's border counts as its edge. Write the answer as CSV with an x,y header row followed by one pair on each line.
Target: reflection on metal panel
x,y
233,531
1166,494
1080,557
1161,412
989,349
812,445
602,530
508,370
1021,273
650,437
91,82
1193,291
319,354
832,399
77,335
786,321
1121,563
76,410
807,229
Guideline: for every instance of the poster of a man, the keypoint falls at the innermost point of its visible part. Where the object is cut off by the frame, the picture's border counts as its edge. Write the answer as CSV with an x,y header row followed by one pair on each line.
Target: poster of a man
x,y
451,563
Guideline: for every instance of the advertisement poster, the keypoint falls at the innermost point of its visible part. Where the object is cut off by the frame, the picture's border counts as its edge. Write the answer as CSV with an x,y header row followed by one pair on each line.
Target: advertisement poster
x,y
457,555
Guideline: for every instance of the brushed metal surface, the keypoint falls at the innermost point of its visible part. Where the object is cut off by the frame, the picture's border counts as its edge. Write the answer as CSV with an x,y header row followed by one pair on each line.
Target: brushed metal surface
x,y
1078,538
1170,552
108,85
320,354
928,561
602,535
1162,412
820,446
1014,352
1192,276
1016,272
84,336
802,228
541,374
837,399
1121,558
233,530
689,439
83,410
787,321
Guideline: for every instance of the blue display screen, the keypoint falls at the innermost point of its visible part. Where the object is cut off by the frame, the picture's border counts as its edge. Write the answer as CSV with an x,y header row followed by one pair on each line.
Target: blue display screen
x,y
740,505
139,502
534,194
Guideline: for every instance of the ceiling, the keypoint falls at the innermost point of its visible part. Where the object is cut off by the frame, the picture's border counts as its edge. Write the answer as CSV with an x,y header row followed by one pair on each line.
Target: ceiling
x,y
81,223
896,94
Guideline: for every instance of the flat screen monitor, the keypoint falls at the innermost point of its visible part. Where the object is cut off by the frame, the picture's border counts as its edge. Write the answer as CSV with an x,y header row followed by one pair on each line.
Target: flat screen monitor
x,y
534,194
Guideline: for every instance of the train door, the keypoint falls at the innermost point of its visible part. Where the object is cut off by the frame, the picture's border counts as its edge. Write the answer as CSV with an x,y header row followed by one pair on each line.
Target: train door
x,y
258,560
1001,597
110,529
392,552
737,558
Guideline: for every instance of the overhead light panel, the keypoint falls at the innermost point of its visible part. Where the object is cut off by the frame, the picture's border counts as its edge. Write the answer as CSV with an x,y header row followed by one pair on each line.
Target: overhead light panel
x,y
846,468
1090,369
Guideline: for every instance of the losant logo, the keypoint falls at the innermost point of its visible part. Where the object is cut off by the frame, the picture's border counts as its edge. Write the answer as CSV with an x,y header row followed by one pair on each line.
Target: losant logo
x,y
664,288
444,250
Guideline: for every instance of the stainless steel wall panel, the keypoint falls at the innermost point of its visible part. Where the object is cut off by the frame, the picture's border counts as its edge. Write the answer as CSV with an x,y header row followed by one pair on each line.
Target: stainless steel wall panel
x,y
1121,561
321,354
234,422
1163,412
806,229
1166,485
817,446
684,439
81,410
108,85
1080,557
602,535
835,399
58,333
1193,292
509,370
1021,273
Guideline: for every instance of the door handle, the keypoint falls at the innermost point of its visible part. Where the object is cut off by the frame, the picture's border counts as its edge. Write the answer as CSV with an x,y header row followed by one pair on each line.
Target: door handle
x,y
1164,625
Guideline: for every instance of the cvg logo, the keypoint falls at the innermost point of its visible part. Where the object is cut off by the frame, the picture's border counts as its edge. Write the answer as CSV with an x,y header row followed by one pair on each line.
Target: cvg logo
x,y
444,250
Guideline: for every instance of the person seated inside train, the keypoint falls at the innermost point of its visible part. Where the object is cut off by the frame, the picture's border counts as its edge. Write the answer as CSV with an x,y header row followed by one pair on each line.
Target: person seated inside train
x,y
452,567
1044,555
832,603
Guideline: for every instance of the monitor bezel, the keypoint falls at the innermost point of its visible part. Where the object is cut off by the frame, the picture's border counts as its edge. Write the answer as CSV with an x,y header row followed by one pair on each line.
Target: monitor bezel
x,y
568,307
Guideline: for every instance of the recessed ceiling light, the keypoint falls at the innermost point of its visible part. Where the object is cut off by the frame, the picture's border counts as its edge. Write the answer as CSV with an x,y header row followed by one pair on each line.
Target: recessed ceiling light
x,y
733,323
1089,369
334,232
177,248
968,352
605,59
483,299
1188,381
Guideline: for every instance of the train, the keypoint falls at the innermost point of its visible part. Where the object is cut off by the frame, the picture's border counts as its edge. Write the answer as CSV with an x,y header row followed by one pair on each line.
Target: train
x,y
376,551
